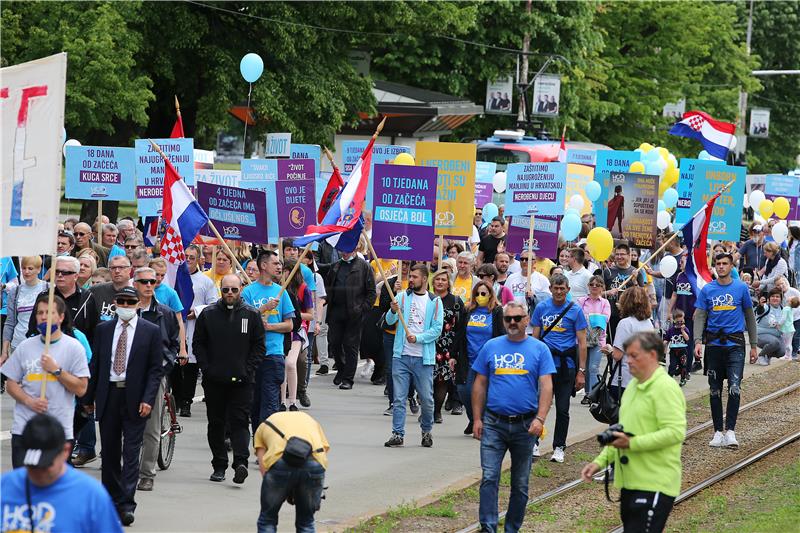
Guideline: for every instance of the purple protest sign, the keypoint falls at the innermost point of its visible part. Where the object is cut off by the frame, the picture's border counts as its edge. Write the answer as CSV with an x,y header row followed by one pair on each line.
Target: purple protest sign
x,y
794,209
296,169
483,194
404,205
296,206
545,235
238,214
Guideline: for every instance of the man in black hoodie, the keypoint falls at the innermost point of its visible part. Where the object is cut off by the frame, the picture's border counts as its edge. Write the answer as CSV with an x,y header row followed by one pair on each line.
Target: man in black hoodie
x,y
229,345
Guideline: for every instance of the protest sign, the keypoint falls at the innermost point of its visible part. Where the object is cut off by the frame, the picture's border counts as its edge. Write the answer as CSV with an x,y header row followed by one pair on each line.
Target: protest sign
x,y
100,173
259,169
229,178
296,169
150,170
686,207
484,186
545,235
578,176
788,187
632,206
30,144
608,161
582,157
535,189
203,159
455,188
278,145
295,206
405,203
308,151
238,214
381,153
351,151
710,177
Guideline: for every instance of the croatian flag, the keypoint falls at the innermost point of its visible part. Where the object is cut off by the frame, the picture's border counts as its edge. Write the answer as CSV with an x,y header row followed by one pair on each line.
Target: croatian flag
x,y
183,219
717,137
342,223
695,237
150,232
562,150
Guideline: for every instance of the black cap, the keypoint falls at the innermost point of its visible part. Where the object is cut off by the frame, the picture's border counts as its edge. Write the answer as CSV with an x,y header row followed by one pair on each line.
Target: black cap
x,y
127,292
42,439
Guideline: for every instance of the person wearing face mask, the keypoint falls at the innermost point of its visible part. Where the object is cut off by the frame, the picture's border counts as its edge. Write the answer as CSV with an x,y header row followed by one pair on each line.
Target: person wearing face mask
x,y
228,343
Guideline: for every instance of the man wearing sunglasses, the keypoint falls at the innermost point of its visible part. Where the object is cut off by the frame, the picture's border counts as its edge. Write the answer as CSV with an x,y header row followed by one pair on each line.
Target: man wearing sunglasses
x,y
83,240
510,401
228,343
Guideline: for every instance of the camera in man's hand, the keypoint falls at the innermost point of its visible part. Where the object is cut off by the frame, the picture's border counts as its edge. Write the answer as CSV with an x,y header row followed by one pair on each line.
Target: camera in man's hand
x,y
607,437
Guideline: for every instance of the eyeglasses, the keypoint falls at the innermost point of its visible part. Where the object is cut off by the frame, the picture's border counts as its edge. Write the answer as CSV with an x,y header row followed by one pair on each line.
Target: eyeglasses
x,y
226,290
513,318
131,246
80,233
65,272
119,268
146,281
595,285
126,301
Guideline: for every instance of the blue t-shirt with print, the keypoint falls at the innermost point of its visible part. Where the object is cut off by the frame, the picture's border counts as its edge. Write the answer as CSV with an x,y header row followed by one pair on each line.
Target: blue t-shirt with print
x,y
308,277
725,306
75,503
513,370
479,330
562,335
258,294
166,295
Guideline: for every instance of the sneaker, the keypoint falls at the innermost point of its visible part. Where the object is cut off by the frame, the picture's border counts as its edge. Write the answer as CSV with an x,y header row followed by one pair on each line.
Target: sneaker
x,y
81,458
229,446
762,360
346,385
293,407
389,411
586,401
305,401
217,476
468,429
448,404
186,412
718,441
536,452
394,441
380,380
730,440
683,382
558,455
322,370
145,484
427,440
282,407
413,405
457,409
240,474
786,358
796,357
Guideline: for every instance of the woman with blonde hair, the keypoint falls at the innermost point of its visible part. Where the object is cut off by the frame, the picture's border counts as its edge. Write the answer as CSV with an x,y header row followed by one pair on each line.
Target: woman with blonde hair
x,y
88,266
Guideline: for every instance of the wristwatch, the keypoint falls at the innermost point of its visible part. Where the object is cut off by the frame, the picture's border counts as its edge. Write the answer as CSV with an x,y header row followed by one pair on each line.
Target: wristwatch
x,y
540,419
56,372
582,370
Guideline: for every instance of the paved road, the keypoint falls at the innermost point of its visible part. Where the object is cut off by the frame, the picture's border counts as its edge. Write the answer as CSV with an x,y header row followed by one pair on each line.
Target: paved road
x,y
364,477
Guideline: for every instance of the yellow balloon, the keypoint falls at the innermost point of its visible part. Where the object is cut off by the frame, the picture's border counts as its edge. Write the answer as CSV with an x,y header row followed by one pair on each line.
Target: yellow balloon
x,y
670,164
637,166
766,208
664,153
645,147
671,176
404,159
599,242
662,187
781,207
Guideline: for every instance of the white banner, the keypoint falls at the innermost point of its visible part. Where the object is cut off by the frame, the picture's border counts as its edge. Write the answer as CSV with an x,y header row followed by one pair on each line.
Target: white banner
x,y
32,110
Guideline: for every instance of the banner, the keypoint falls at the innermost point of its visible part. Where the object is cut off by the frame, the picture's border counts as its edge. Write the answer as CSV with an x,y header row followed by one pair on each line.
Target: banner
x,y
608,161
405,203
500,96
687,171
786,186
229,178
381,153
484,182
150,170
100,173
278,145
32,100
577,178
582,157
759,123
455,186
203,159
535,189
296,207
632,207
259,169
674,110
545,235
546,95
238,214
308,151
296,169
710,177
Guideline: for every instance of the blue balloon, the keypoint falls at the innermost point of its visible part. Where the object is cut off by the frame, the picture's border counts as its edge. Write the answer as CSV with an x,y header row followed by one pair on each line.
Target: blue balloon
x,y
593,191
670,198
703,155
662,206
652,167
572,211
489,212
251,67
652,155
570,227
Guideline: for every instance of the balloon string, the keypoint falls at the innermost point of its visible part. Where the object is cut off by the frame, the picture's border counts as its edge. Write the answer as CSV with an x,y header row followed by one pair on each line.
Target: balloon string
x,y
246,119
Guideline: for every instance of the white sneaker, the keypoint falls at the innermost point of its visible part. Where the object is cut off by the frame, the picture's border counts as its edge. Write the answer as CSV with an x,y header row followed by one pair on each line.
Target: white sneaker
x,y
762,360
536,452
786,358
730,440
718,441
558,455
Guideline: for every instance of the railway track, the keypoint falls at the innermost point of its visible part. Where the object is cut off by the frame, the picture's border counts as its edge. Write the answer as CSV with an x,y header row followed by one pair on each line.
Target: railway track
x,y
692,431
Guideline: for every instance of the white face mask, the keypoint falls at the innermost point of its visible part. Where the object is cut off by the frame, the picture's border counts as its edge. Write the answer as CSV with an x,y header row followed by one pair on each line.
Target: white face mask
x,y
126,313
348,259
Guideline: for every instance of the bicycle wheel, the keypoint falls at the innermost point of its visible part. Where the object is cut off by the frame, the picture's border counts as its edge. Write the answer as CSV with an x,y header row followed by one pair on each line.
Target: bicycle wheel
x,y
166,446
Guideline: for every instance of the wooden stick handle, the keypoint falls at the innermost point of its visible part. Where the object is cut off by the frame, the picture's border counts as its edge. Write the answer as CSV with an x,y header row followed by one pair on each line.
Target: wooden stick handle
x,y
385,280
47,336
230,253
294,271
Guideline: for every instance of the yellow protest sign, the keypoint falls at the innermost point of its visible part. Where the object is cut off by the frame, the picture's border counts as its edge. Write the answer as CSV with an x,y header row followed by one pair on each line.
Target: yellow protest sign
x,y
455,187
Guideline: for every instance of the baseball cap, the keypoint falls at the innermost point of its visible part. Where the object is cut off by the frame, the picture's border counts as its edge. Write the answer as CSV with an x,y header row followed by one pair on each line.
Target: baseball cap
x,y
42,439
757,228
127,292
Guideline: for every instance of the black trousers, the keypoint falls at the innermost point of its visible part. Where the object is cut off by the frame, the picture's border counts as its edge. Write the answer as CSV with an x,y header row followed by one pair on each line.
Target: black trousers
x,y
228,405
121,438
344,339
643,511
184,383
563,387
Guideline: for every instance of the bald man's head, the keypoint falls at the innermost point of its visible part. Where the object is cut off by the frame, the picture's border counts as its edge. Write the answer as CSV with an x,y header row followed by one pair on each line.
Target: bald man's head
x,y
231,288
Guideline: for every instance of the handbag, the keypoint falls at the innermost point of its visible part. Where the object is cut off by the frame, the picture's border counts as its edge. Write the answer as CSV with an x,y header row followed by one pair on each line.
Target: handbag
x,y
604,406
297,451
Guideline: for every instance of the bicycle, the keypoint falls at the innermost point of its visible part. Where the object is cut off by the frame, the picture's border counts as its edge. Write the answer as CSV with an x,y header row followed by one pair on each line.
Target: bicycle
x,y
169,428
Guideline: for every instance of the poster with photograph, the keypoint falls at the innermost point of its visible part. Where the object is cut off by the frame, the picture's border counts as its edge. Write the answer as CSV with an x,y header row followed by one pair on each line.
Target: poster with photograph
x,y
500,96
759,123
546,95
632,205
675,110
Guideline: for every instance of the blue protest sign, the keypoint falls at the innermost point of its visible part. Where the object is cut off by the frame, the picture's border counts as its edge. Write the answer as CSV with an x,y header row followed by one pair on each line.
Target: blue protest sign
x,y
582,157
308,151
278,145
710,177
259,169
150,170
100,173
351,151
535,189
229,178
608,161
686,207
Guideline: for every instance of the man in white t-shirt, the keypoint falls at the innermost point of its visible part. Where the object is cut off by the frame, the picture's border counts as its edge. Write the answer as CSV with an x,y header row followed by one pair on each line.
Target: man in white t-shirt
x,y
577,275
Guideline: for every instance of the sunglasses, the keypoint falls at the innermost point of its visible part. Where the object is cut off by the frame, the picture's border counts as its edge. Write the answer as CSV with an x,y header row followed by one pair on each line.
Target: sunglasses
x,y
131,246
65,272
226,290
513,318
595,285
126,301
147,281
80,233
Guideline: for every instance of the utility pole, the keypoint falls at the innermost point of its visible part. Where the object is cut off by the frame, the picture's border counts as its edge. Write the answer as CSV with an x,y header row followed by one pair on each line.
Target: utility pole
x,y
522,82
741,144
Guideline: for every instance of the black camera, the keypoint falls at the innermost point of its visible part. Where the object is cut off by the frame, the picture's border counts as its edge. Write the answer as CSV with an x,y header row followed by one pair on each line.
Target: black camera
x,y
607,437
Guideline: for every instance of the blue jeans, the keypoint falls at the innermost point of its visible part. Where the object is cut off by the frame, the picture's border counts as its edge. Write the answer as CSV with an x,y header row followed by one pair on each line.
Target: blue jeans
x,y
465,393
499,436
407,370
267,389
87,438
281,481
388,354
593,358
725,362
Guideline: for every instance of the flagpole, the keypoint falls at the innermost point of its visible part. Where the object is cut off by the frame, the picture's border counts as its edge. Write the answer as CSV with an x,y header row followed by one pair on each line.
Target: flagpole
x,y
385,280
294,270
530,256
177,107
329,155
50,306
246,119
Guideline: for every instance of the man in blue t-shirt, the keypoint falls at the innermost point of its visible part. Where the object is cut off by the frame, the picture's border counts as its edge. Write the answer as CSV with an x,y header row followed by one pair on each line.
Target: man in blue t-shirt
x,y
723,310
277,312
561,325
513,381
47,494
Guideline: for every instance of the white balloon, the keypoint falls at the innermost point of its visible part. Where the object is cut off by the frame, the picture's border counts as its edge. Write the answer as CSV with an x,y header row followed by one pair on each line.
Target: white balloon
x,y
71,142
746,202
576,202
668,266
756,197
499,182
662,220
780,232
